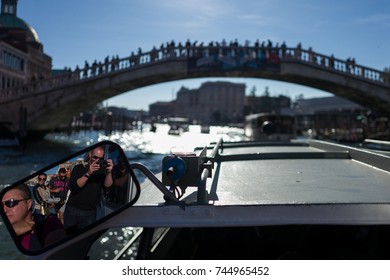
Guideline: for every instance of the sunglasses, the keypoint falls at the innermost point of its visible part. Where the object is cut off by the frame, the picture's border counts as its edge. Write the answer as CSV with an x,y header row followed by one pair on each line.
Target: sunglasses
x,y
41,179
12,202
96,158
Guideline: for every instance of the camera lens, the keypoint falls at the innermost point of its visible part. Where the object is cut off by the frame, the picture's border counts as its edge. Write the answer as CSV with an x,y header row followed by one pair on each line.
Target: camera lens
x,y
103,164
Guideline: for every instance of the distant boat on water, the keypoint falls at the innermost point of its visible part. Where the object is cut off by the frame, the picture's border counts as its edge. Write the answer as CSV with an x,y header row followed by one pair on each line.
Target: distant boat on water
x,y
205,129
178,125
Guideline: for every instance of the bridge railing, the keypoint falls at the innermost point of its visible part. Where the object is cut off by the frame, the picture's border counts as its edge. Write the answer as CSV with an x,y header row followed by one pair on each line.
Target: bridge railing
x,y
338,65
115,64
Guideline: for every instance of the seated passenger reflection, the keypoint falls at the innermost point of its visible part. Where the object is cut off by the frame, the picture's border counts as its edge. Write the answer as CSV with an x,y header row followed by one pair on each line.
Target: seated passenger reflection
x,y
33,235
41,194
88,182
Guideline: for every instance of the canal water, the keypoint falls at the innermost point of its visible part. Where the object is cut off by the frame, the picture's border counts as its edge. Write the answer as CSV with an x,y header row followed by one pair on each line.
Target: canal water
x,y
140,145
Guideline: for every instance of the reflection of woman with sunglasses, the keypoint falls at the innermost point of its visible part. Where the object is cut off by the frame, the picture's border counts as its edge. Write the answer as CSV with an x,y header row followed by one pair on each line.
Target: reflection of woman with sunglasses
x,y
33,235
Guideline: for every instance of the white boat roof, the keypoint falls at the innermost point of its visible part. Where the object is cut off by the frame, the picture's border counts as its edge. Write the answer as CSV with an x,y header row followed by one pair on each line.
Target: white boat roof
x,y
300,181
313,182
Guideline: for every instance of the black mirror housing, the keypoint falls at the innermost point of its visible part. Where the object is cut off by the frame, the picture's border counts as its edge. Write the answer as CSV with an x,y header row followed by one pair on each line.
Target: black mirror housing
x,y
68,197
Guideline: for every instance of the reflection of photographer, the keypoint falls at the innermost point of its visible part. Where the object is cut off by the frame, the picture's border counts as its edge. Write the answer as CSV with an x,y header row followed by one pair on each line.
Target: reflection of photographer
x,y
87,183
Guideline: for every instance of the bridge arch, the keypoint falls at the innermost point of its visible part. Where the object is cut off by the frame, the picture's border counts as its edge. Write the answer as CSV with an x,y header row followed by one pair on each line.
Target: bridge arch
x,y
52,101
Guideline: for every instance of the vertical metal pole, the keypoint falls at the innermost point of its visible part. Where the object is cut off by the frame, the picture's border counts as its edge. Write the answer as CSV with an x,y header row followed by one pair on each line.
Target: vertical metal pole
x,y
145,243
202,187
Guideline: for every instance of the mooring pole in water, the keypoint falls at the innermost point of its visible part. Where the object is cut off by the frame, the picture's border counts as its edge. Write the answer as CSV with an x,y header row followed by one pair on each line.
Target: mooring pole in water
x,y
22,127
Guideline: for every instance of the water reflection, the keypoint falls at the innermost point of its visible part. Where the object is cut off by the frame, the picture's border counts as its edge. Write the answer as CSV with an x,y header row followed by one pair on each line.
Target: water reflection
x,y
114,242
138,143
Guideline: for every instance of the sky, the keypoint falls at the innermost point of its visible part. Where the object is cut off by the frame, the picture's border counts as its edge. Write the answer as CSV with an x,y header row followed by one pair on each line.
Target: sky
x,y
74,31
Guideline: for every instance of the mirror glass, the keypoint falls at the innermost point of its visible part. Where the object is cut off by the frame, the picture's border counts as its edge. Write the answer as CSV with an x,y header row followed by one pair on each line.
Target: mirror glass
x,y
69,196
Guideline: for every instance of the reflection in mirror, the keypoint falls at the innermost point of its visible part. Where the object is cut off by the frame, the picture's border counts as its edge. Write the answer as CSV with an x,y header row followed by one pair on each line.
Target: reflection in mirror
x,y
32,234
66,197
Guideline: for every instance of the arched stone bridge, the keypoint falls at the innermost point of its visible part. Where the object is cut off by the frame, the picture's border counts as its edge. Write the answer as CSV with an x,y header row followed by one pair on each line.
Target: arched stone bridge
x,y
43,105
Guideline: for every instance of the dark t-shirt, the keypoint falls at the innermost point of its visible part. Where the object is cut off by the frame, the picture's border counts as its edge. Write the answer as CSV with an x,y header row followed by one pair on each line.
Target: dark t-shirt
x,y
46,232
87,197
57,184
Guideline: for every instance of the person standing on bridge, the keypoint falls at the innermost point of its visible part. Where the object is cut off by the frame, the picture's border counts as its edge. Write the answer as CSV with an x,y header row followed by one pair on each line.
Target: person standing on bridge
x,y
86,68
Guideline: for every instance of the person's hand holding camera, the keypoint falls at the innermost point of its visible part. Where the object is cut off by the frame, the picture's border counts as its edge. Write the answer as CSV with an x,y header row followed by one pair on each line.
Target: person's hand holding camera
x,y
93,167
108,164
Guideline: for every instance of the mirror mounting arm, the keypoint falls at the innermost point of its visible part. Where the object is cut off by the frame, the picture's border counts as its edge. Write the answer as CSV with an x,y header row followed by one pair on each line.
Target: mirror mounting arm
x,y
154,180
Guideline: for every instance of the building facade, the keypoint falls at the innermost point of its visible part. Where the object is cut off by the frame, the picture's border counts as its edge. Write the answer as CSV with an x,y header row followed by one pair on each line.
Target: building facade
x,y
212,103
22,58
332,118
162,109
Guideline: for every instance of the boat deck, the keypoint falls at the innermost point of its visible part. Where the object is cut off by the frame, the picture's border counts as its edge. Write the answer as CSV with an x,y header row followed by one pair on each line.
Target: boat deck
x,y
288,174
296,175
267,184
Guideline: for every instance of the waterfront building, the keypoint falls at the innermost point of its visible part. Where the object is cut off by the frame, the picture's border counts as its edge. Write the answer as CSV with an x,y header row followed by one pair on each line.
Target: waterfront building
x,y
338,119
162,109
212,103
265,103
22,58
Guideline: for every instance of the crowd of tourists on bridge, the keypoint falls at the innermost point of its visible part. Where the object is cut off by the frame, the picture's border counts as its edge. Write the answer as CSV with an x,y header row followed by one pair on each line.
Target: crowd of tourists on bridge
x,y
200,49
233,49
171,50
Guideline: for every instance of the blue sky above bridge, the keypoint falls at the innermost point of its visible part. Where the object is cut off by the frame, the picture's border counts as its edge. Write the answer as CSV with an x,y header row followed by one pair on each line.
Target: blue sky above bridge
x,y
73,31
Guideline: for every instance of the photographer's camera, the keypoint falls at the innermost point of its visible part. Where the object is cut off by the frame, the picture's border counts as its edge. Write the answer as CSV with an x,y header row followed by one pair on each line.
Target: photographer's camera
x,y
103,164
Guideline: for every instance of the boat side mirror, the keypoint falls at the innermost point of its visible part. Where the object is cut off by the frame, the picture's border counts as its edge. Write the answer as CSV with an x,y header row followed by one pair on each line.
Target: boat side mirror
x,y
68,197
